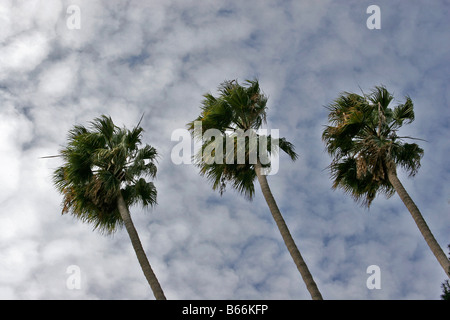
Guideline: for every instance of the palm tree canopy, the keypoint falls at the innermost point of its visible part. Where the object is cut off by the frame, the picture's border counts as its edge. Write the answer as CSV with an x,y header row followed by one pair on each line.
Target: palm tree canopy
x,y
363,141
101,162
238,107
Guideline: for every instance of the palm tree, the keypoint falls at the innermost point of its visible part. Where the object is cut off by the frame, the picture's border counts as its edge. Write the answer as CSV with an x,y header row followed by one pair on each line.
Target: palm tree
x,y
363,140
242,109
102,175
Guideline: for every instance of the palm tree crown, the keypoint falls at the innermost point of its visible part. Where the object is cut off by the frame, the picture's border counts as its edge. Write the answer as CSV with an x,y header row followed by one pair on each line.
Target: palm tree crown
x,y
237,108
100,163
364,144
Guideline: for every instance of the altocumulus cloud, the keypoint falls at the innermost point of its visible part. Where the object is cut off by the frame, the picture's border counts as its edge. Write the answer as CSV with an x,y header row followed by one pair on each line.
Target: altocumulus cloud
x,y
159,58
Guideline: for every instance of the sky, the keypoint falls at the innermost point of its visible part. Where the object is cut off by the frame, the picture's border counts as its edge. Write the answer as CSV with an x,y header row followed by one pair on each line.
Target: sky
x,y
157,58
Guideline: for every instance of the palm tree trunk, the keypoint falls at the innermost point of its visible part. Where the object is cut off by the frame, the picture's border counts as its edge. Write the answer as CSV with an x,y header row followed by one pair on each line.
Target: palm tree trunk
x,y
140,253
420,221
288,240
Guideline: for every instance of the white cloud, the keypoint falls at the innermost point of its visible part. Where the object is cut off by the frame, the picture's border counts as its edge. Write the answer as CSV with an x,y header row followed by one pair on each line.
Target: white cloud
x,y
58,80
12,123
23,53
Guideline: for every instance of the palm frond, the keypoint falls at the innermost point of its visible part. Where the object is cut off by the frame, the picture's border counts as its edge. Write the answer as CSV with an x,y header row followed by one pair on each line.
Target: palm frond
x,y
403,113
284,145
381,95
361,186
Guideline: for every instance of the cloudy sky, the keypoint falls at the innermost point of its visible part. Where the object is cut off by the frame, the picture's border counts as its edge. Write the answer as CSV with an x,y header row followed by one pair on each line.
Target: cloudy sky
x,y
160,57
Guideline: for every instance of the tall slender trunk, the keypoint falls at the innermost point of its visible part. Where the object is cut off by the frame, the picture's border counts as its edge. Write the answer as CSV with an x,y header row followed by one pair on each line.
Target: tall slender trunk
x,y
419,220
140,253
288,240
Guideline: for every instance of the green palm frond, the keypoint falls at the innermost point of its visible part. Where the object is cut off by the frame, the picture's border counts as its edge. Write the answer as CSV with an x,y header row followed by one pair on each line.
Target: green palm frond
x,y
403,113
142,192
349,175
284,145
381,95
408,156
